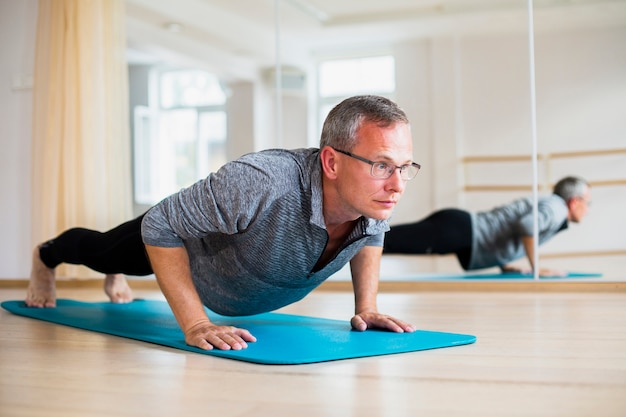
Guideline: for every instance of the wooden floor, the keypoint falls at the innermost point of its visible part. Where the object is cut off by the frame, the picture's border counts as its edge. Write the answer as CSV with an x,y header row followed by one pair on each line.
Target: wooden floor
x,y
537,354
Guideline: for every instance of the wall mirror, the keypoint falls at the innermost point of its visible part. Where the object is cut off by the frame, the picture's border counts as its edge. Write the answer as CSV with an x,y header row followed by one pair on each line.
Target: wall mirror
x,y
460,70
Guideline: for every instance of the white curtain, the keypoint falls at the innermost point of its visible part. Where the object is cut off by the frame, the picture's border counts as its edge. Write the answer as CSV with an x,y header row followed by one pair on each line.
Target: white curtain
x,y
81,140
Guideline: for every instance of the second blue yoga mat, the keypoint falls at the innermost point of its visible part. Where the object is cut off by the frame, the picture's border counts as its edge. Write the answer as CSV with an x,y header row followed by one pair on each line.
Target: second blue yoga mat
x,y
517,275
281,338
488,276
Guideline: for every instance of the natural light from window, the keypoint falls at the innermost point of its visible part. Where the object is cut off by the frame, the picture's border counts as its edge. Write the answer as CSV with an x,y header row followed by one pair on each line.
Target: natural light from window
x,y
184,139
342,78
349,77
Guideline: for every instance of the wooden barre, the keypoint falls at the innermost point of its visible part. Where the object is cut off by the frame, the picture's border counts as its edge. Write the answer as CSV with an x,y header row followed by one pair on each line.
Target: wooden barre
x,y
578,154
607,183
555,155
498,188
500,158
617,252
509,187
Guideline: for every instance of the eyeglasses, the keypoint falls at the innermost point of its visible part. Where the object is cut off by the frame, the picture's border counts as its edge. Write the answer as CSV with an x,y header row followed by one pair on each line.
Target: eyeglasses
x,y
384,170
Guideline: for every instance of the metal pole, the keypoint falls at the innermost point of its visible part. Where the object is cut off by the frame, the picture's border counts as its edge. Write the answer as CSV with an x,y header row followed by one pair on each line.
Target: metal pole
x,y
533,124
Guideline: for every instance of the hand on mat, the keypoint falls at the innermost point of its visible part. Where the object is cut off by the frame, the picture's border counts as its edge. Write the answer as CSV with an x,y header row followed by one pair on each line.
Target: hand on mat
x,y
372,320
544,272
207,336
509,269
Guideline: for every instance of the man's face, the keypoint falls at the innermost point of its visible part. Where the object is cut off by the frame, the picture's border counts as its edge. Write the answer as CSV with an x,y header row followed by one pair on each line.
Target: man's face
x,y
360,193
579,206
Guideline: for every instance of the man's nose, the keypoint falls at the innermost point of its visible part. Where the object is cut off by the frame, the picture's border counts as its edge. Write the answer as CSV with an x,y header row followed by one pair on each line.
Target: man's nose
x,y
396,182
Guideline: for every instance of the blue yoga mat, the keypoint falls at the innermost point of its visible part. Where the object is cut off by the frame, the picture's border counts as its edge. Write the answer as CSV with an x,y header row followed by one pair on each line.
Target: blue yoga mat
x,y
517,275
281,338
491,276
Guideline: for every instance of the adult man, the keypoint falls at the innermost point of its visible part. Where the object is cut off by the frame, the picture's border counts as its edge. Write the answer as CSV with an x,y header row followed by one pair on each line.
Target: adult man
x,y
263,231
496,237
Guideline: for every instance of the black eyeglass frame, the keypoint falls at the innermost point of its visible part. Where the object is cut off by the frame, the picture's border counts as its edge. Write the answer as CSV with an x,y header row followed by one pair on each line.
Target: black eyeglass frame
x,y
403,168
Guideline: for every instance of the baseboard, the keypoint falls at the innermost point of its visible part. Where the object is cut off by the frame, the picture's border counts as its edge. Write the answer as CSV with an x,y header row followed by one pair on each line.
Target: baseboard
x,y
390,286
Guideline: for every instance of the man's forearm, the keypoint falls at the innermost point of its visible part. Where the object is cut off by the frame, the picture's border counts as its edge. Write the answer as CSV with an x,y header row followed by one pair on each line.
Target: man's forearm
x,y
173,273
529,247
365,268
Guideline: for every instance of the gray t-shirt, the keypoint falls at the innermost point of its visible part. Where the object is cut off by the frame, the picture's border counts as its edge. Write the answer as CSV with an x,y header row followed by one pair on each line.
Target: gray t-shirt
x,y
254,231
497,234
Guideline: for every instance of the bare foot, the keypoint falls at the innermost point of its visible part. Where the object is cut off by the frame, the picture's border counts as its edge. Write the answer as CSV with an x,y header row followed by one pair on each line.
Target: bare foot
x,y
41,288
116,287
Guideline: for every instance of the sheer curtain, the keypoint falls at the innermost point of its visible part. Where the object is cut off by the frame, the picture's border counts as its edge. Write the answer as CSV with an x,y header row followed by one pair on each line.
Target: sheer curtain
x,y
81,140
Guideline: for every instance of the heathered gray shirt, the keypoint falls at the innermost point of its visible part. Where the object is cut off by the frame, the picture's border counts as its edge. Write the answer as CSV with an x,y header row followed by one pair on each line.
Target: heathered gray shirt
x,y
254,231
497,234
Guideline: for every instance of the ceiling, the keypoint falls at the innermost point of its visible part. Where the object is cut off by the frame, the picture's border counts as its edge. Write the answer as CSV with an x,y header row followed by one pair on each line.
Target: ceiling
x,y
237,38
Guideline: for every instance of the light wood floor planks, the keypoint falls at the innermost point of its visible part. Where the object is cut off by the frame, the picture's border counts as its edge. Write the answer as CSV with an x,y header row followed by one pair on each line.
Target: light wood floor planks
x,y
537,354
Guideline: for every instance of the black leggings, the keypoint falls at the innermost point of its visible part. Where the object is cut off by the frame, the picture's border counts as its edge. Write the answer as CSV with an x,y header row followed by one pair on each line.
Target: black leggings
x,y
443,232
118,251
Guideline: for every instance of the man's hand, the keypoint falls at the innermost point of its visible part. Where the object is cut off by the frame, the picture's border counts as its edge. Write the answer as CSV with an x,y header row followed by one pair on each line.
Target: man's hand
x,y
509,269
543,272
207,336
369,320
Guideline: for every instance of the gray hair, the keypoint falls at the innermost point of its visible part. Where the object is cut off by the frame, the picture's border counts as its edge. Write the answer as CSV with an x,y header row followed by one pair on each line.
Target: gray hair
x,y
571,187
343,121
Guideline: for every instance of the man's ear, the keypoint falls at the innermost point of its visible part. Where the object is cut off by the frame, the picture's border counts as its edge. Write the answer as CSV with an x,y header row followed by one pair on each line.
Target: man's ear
x,y
328,156
573,202
571,206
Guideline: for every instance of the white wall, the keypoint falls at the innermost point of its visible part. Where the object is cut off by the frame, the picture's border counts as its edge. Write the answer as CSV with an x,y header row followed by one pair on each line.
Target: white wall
x,y
465,96
17,45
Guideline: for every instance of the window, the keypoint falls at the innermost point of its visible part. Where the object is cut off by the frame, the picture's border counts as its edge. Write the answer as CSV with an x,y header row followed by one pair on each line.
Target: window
x,y
183,139
191,88
342,78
